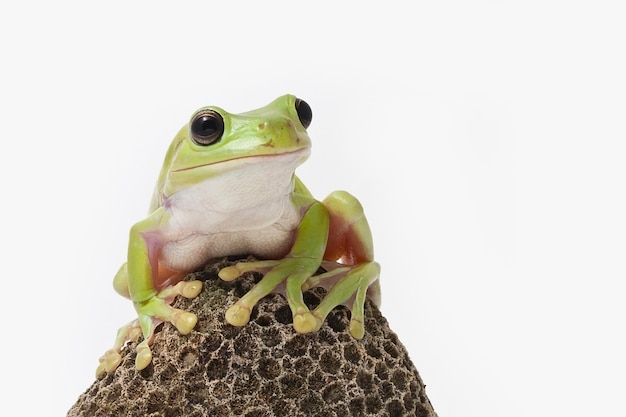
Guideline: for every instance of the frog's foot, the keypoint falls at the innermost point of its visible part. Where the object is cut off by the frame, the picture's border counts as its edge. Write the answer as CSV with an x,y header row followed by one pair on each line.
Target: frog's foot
x,y
112,358
151,313
158,310
239,314
284,276
304,321
347,285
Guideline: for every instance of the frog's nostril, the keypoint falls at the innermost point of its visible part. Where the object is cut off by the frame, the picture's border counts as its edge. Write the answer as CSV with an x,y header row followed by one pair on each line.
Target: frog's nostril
x,y
262,126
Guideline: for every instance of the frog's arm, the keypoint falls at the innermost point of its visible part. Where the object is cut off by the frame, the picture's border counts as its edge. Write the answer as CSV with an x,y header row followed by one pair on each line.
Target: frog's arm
x,y
301,262
146,276
152,289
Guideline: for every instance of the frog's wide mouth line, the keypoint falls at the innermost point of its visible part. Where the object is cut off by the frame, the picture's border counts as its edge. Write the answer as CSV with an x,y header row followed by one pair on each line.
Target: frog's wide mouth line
x,y
238,158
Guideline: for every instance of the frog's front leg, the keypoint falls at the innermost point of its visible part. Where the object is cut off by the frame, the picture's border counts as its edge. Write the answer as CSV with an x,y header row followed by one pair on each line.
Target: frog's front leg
x,y
293,271
152,288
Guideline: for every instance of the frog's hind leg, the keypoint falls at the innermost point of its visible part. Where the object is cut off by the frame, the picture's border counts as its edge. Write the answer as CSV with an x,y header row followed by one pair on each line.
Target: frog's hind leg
x,y
352,273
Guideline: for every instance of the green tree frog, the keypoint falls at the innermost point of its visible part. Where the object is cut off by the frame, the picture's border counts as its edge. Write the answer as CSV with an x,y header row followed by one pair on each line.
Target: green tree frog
x,y
228,187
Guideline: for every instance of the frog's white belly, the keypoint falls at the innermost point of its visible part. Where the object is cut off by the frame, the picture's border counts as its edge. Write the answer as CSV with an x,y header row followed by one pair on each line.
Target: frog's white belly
x,y
196,249
228,215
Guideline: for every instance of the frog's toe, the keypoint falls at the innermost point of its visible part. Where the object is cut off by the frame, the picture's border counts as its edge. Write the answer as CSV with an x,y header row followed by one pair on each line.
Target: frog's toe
x,y
306,322
184,321
112,357
109,362
357,329
144,356
134,334
233,272
238,315
100,370
229,273
190,289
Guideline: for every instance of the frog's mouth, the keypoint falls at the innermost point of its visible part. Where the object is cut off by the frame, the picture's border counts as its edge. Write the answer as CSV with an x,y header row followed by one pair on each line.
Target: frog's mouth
x,y
299,155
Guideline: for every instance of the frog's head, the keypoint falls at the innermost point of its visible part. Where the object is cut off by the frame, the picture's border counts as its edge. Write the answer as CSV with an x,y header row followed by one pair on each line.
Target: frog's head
x,y
215,142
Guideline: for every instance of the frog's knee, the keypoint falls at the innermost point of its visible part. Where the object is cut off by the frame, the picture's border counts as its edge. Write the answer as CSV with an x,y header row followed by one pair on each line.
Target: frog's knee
x,y
120,282
343,201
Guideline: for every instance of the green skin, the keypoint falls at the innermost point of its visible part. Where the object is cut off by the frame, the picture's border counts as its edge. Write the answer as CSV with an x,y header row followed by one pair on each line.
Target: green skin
x,y
240,195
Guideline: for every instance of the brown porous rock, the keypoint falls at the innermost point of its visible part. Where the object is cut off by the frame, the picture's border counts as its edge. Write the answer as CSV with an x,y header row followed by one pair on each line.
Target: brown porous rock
x,y
264,368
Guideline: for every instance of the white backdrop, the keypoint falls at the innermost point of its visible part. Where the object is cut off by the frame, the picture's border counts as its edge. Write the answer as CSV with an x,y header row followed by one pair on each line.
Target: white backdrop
x,y
485,140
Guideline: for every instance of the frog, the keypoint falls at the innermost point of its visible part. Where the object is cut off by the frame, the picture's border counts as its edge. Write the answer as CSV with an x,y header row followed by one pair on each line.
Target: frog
x,y
228,186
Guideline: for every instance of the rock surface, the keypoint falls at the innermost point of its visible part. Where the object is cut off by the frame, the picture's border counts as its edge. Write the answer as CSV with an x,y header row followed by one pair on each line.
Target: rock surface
x,y
263,368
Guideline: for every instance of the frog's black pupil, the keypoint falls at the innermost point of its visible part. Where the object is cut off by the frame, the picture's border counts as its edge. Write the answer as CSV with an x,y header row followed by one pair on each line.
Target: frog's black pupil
x,y
205,126
305,114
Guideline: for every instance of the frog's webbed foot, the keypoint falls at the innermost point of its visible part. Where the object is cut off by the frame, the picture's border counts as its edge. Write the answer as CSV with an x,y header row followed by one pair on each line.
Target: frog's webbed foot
x,y
151,313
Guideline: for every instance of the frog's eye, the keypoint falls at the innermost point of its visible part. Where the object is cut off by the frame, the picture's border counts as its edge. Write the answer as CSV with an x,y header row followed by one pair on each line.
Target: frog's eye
x,y
206,127
305,114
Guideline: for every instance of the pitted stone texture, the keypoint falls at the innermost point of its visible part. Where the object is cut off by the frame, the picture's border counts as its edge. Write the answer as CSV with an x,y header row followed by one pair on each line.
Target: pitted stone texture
x,y
264,368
